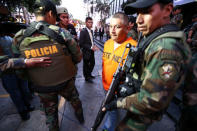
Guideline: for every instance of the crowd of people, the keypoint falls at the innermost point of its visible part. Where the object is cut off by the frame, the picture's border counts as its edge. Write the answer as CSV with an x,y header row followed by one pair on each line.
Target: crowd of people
x,y
162,59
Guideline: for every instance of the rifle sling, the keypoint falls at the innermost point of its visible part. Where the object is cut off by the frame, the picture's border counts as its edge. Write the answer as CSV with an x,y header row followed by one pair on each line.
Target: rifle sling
x,y
143,44
155,34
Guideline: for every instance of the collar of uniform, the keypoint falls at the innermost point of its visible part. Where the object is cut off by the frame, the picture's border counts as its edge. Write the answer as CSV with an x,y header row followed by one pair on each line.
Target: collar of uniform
x,y
43,22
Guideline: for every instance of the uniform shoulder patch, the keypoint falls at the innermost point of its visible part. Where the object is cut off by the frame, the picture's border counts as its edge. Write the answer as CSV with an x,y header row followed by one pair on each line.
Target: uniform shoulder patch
x,y
167,71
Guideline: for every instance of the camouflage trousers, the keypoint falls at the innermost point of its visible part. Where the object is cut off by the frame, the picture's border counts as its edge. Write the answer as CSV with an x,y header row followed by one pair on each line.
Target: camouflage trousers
x,y
134,122
49,103
188,119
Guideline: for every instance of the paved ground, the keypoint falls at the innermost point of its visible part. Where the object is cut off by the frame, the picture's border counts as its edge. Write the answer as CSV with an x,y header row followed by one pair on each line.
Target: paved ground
x,y
91,95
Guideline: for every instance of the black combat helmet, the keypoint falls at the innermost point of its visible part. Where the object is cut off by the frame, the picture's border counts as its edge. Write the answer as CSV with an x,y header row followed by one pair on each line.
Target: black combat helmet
x,y
131,8
44,6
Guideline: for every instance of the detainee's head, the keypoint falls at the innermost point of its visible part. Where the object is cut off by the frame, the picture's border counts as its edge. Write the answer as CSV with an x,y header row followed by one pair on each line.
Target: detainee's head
x,y
45,9
89,22
152,14
119,27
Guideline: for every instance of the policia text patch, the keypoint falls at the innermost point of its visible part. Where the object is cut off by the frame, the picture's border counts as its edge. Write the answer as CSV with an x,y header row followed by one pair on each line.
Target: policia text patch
x,y
44,51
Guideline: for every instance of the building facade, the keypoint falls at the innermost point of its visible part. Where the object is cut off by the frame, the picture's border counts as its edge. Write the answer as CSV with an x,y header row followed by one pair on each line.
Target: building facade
x,y
116,6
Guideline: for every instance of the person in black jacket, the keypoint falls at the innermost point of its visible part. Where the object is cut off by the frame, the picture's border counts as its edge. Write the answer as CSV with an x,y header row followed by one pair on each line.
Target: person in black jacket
x,y
88,48
101,33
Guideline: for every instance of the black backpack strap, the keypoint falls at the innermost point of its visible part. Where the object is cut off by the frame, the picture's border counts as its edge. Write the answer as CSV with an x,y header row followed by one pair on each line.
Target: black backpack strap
x,y
52,34
155,34
28,32
144,43
43,28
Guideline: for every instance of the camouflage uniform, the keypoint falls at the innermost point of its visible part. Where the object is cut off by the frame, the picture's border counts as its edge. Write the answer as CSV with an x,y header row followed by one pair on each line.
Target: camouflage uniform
x,y
188,118
49,101
133,34
7,63
162,69
193,44
12,63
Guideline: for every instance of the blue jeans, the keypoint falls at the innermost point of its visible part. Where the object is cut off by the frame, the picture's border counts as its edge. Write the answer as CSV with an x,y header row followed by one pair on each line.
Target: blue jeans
x,y
111,120
18,91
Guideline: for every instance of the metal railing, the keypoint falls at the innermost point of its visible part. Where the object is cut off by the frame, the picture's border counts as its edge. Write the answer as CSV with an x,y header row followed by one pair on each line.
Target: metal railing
x,y
99,44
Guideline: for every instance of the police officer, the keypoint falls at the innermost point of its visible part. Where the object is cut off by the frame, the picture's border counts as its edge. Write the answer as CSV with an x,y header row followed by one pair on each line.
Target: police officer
x,y
192,34
16,87
188,118
63,18
43,38
132,28
161,62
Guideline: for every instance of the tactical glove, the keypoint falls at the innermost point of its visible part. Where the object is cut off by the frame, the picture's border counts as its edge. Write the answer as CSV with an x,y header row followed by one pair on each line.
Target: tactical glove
x,y
124,90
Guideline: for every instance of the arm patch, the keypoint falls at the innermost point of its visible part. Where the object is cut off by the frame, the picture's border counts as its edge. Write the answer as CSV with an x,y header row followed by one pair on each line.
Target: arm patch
x,y
167,71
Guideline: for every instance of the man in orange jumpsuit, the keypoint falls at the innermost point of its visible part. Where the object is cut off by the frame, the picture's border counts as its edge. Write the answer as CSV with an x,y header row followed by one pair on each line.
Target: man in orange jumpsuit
x,y
113,51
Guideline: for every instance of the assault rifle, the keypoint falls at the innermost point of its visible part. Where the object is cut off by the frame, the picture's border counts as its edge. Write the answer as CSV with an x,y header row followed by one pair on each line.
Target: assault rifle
x,y
117,78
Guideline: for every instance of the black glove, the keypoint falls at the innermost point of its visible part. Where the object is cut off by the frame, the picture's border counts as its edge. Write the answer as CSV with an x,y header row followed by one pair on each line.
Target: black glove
x,y
124,90
111,106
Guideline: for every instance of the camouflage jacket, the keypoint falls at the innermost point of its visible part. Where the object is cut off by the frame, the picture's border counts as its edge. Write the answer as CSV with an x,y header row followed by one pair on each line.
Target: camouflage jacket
x,y
6,60
194,26
12,63
194,34
133,34
71,30
163,66
190,90
72,46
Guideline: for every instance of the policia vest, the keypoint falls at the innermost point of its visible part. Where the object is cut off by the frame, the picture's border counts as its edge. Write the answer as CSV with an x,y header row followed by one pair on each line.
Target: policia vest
x,y
40,40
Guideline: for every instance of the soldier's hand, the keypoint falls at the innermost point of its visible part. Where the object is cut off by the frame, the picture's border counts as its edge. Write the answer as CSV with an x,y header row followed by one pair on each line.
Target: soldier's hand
x,y
111,106
38,62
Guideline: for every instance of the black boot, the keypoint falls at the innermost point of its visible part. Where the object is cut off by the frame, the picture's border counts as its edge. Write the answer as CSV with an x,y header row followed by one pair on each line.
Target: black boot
x,y
78,111
24,115
79,115
30,108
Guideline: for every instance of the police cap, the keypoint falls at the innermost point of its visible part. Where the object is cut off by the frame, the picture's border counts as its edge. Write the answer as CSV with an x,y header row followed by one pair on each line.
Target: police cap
x,y
44,6
140,4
